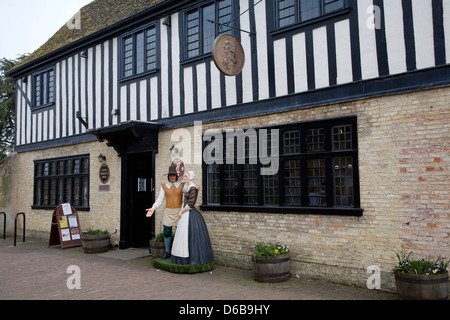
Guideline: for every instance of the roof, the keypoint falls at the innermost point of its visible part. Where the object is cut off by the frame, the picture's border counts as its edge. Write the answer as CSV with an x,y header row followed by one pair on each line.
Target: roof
x,y
94,17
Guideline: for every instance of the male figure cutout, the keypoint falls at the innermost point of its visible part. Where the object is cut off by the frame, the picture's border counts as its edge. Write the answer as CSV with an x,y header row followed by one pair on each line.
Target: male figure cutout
x,y
172,192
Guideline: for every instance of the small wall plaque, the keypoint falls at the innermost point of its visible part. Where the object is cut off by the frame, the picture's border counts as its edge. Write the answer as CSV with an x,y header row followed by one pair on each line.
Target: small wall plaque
x,y
104,173
103,187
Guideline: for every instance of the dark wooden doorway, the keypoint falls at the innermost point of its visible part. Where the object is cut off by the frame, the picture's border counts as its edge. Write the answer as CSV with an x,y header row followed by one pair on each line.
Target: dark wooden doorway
x,y
140,196
136,142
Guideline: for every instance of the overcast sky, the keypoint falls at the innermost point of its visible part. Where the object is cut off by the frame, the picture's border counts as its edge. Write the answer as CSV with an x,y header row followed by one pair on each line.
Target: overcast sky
x,y
25,25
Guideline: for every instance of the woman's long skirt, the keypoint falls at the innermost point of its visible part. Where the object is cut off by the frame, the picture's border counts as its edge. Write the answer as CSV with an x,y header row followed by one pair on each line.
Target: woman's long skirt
x,y
192,245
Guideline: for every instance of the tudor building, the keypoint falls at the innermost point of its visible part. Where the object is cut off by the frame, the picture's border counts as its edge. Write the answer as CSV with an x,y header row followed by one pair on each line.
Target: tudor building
x,y
353,95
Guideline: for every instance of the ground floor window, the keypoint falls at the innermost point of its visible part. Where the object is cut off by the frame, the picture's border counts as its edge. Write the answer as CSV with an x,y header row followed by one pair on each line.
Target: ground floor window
x,y
316,169
61,180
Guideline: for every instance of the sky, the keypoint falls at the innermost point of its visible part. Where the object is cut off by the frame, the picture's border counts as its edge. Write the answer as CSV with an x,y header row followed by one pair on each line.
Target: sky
x,y
25,25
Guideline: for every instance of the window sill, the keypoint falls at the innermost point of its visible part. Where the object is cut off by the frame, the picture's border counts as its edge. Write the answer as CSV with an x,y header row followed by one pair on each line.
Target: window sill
x,y
196,59
137,76
336,211
47,105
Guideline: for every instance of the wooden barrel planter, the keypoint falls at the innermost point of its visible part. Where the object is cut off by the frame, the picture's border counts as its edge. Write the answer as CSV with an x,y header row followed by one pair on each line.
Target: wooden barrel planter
x,y
421,287
271,269
157,249
95,243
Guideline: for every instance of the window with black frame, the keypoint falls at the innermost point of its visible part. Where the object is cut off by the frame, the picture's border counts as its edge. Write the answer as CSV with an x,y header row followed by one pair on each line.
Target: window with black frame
x,y
289,12
44,88
139,52
204,23
318,171
61,180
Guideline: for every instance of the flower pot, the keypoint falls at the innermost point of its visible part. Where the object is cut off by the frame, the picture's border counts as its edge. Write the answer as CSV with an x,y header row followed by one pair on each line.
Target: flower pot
x,y
421,287
272,269
157,249
95,243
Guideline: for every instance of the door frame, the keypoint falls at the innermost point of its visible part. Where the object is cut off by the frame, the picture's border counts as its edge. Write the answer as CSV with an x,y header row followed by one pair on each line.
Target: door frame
x,y
127,138
125,206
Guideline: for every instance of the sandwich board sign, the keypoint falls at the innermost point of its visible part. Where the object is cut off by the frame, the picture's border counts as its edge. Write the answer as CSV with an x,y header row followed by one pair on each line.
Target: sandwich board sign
x,y
65,229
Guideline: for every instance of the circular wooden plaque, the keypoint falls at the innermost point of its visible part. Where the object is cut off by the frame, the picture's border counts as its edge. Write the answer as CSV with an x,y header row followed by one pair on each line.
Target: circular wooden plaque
x,y
228,54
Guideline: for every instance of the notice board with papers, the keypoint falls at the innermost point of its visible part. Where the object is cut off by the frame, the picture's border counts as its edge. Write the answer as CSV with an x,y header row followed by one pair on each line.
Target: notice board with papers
x,y
65,228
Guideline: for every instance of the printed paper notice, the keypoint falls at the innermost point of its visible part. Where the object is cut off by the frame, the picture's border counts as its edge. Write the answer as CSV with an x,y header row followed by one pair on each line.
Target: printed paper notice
x,y
63,222
75,234
65,234
66,209
73,221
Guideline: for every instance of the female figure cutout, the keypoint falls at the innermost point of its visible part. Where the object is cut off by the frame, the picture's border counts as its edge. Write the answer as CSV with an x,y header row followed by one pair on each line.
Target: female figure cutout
x,y
191,245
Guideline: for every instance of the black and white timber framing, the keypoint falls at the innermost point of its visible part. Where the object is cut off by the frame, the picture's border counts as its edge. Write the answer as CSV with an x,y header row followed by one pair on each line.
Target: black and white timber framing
x,y
335,58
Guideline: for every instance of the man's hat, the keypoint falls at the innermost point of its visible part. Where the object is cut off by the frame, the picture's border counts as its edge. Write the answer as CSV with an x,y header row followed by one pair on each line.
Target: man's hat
x,y
172,170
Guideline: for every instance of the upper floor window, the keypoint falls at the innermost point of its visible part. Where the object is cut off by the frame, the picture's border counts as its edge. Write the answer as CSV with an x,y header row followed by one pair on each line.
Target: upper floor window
x,y
139,52
295,11
44,88
203,24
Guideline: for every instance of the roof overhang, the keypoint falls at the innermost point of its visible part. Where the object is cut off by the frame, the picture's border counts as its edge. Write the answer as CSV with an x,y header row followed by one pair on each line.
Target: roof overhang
x,y
129,136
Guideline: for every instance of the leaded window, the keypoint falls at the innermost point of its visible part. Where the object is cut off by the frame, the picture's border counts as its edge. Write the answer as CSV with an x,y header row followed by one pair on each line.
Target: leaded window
x,y
292,185
289,12
139,52
62,180
203,24
44,88
317,170
250,184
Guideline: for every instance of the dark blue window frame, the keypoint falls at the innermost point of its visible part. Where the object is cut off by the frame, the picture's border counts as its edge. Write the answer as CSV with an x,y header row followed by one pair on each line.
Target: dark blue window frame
x,y
199,32
139,52
43,88
318,174
297,12
61,180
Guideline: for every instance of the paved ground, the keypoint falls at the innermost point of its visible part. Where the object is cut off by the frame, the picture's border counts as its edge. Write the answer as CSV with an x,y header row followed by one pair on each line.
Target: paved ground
x,y
32,270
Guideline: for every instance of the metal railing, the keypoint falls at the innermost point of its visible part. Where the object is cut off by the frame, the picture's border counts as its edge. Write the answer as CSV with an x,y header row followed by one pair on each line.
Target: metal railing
x,y
15,227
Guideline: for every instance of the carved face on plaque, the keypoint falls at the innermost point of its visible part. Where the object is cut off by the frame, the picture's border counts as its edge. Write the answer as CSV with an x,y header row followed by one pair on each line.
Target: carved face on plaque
x,y
228,54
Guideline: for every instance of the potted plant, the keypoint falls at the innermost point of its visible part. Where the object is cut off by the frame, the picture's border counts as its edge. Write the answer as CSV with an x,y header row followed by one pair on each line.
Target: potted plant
x,y
95,240
423,279
271,262
157,247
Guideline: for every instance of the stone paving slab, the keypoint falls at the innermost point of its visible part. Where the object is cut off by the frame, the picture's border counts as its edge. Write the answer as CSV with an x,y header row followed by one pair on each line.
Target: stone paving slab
x,y
33,271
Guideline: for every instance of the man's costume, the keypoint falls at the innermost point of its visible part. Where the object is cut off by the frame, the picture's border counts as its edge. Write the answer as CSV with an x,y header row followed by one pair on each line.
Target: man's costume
x,y
173,194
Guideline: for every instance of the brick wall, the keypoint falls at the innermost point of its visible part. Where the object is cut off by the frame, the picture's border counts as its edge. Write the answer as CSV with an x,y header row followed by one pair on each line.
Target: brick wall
x,y
104,205
404,160
404,144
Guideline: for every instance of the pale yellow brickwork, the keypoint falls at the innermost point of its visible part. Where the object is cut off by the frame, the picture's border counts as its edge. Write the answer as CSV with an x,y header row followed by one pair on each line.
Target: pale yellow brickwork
x,y
404,146
104,206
